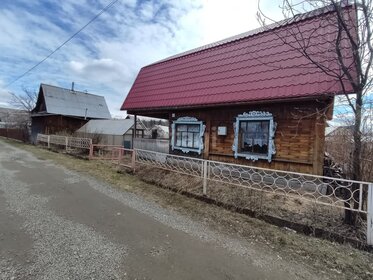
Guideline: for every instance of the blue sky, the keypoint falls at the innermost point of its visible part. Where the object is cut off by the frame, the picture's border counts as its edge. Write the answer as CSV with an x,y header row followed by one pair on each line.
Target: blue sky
x,y
106,57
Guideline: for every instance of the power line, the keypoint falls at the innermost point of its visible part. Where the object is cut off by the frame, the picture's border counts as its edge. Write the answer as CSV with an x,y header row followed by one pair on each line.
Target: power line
x,y
64,43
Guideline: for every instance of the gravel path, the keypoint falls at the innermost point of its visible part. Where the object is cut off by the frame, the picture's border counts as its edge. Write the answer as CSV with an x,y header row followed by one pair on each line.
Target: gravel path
x,y
57,224
61,249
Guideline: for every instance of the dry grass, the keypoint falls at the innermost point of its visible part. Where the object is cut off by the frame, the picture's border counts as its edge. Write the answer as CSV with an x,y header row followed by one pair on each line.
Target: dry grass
x,y
335,260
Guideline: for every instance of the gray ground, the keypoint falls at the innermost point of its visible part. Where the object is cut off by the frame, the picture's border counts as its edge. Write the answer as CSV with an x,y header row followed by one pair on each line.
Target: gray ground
x,y
57,224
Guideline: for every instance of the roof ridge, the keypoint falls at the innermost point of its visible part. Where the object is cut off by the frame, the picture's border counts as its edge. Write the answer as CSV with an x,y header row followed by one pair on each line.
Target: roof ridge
x,y
67,89
108,120
260,30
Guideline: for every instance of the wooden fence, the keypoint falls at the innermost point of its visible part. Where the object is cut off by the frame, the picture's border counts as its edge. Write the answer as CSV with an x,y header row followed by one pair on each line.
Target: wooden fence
x,y
65,141
15,133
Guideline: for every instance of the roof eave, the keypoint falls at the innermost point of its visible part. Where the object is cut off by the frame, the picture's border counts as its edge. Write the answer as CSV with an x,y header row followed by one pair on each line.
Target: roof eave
x,y
264,101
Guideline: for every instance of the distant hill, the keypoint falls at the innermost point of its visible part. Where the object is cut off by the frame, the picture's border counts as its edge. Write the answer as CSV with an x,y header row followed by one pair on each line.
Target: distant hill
x,y
13,118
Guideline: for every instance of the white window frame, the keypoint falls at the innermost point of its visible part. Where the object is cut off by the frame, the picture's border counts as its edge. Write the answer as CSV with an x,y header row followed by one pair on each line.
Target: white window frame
x,y
188,121
255,116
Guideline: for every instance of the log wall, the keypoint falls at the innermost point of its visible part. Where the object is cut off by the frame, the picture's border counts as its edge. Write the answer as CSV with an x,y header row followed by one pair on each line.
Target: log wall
x,y
54,124
299,137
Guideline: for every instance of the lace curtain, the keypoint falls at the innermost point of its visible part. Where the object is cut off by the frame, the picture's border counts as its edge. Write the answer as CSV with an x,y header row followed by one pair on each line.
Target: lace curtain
x,y
254,133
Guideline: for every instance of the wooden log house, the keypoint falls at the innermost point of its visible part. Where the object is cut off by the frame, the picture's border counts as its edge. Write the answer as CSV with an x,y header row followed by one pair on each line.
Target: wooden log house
x,y
250,99
64,110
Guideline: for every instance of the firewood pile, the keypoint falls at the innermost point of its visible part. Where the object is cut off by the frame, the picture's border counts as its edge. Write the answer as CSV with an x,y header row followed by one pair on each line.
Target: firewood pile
x,y
331,168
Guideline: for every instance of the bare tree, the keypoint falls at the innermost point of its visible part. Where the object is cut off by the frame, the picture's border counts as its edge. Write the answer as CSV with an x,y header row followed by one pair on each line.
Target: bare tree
x,y
339,142
25,101
346,56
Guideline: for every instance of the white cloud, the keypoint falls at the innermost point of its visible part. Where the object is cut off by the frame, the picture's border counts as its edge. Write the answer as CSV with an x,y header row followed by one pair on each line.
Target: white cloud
x,y
147,10
107,56
92,69
4,96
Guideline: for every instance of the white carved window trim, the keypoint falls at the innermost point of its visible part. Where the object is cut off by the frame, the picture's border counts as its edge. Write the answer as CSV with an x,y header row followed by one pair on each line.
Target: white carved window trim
x,y
255,116
188,121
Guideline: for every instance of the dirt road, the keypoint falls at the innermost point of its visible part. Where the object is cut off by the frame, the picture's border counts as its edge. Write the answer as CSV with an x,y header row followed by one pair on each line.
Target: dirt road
x,y
58,224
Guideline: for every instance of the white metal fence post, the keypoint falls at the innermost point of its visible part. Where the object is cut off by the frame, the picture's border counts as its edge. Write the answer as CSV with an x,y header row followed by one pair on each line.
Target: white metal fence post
x,y
370,215
49,141
204,168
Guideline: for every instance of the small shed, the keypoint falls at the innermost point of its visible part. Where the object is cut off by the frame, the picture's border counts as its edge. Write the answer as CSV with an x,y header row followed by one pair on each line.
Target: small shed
x,y
249,99
160,132
111,132
65,110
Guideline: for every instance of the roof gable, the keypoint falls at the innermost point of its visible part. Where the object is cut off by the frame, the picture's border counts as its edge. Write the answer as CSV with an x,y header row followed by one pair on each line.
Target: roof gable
x,y
253,66
61,101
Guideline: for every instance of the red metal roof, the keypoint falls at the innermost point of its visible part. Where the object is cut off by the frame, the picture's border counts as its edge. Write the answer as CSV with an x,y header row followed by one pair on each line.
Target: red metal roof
x,y
256,66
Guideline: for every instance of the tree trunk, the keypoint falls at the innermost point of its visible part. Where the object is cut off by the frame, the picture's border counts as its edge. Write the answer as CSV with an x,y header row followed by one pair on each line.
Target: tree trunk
x,y
356,156
350,216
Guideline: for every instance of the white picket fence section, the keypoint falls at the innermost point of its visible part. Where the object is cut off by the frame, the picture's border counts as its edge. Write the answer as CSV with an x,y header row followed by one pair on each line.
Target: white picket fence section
x,y
68,142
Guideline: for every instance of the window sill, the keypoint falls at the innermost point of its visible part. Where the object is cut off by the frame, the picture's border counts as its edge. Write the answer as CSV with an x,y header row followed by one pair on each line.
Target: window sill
x,y
186,150
252,156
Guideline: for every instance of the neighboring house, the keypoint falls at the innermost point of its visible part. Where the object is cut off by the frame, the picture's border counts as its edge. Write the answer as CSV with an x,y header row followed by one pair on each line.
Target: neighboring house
x,y
249,99
111,132
346,134
61,110
339,144
345,131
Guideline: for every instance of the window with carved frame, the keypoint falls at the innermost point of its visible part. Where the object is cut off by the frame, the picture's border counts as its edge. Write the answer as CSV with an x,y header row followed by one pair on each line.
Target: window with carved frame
x,y
187,135
254,136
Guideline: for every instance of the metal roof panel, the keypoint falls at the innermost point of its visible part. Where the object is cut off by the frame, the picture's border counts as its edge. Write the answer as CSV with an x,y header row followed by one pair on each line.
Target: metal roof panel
x,y
108,127
252,66
63,101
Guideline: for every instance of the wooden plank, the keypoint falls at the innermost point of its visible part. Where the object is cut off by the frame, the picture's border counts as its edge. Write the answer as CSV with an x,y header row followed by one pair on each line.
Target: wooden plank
x,y
134,130
318,149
